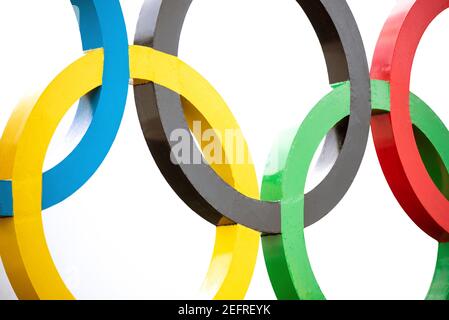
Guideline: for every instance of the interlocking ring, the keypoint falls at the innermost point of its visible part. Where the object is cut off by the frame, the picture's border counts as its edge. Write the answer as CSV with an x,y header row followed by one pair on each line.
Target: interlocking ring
x,y
160,112
101,26
407,175
410,139
22,240
286,255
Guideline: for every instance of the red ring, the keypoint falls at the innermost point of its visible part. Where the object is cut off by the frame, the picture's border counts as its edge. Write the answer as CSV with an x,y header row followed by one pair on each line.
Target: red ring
x,y
393,132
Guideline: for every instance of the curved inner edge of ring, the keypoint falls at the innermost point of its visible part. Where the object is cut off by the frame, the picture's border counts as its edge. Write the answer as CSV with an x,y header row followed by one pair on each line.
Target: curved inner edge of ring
x,y
328,155
433,162
91,38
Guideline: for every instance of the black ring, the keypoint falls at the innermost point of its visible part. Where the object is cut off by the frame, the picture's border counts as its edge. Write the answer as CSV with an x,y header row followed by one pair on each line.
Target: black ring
x,y
160,113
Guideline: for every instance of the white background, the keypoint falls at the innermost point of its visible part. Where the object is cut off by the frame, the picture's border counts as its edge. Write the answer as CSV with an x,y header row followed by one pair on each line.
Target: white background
x,y
125,234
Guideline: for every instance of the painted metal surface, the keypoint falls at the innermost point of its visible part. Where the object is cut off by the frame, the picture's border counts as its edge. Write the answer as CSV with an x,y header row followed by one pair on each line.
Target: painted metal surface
x,y
23,247
411,143
396,145
101,26
286,255
161,113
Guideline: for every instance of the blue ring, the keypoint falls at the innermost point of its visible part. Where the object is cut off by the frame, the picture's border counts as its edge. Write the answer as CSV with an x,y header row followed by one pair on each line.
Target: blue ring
x,y
101,24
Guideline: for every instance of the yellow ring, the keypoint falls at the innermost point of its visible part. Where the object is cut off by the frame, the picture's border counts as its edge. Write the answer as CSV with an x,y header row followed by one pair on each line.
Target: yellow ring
x,y
23,147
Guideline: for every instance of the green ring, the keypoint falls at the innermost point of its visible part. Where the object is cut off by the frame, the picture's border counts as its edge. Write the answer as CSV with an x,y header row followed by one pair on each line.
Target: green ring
x,y
285,254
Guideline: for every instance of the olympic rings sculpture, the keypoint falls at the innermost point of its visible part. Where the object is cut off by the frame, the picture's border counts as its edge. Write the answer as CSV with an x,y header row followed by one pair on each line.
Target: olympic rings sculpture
x,y
410,139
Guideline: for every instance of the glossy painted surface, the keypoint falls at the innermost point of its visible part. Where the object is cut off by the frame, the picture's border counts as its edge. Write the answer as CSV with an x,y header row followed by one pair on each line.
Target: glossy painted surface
x,y
410,139
23,247
286,255
161,113
396,145
101,26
